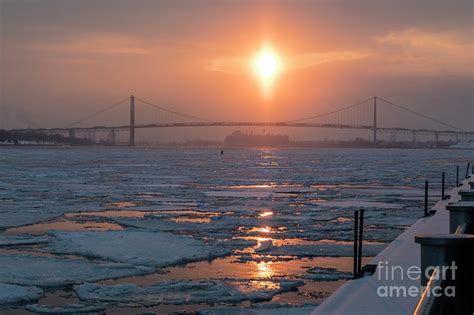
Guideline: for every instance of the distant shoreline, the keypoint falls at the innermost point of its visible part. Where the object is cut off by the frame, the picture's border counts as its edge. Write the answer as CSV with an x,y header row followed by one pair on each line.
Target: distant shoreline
x,y
226,147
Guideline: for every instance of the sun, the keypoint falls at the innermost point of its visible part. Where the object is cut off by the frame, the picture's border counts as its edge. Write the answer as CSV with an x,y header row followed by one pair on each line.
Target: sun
x,y
266,64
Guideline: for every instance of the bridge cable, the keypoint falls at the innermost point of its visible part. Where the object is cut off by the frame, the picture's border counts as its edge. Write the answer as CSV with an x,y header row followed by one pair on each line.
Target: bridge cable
x,y
422,115
97,112
331,112
171,111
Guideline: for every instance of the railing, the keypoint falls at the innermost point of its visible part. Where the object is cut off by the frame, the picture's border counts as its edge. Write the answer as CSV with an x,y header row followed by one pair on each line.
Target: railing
x,y
453,248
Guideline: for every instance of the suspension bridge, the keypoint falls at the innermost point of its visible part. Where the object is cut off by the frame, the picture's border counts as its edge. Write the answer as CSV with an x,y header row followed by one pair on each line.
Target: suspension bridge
x,y
363,115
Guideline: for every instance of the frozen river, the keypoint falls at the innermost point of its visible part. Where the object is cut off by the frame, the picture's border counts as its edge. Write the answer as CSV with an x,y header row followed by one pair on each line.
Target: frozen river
x,y
162,230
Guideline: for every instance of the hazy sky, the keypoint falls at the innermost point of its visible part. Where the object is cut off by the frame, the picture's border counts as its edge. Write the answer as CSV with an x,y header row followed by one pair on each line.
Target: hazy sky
x,y
63,59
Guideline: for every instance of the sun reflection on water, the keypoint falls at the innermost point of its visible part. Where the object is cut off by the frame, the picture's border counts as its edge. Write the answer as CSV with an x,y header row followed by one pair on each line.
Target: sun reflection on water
x,y
264,270
266,214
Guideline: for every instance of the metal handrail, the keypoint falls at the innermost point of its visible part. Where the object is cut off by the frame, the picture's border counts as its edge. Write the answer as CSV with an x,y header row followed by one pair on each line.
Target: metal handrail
x,y
461,229
430,304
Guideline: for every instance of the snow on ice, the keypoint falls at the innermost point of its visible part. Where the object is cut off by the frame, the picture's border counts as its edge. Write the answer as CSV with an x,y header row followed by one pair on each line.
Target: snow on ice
x,y
52,271
186,292
156,249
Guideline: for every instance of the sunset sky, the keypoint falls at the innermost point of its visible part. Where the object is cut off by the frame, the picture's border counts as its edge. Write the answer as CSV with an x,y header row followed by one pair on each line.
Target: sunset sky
x,y
61,60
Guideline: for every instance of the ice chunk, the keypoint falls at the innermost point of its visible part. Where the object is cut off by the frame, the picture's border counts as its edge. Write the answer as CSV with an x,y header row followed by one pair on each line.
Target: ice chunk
x,y
157,249
263,309
265,245
21,240
326,274
324,249
52,271
65,309
12,294
359,204
186,292
240,194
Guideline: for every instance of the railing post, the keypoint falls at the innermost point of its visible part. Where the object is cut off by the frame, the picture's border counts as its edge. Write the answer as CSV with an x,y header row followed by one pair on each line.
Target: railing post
x,y
361,229
443,178
457,175
426,198
356,227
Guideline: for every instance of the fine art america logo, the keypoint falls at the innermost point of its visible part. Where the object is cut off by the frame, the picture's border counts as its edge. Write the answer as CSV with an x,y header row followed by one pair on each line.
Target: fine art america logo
x,y
397,274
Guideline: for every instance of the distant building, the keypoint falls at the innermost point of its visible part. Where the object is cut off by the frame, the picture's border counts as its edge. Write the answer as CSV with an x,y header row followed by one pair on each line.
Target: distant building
x,y
237,138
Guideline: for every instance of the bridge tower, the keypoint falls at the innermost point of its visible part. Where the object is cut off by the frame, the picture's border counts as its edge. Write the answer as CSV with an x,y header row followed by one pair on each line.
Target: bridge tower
x,y
375,121
112,136
132,120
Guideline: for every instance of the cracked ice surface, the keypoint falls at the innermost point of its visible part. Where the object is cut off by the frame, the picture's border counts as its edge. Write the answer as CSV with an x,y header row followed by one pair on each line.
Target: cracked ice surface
x,y
187,292
156,249
10,294
311,195
53,272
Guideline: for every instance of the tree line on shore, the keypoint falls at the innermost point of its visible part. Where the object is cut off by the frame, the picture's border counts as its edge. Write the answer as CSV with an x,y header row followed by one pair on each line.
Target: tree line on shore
x,y
39,138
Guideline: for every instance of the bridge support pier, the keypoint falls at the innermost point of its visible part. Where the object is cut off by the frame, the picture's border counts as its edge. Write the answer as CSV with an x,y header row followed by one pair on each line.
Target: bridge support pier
x,y
132,120
375,121
112,136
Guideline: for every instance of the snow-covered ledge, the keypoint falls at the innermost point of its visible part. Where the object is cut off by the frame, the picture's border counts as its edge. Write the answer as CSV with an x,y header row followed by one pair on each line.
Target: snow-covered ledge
x,y
367,295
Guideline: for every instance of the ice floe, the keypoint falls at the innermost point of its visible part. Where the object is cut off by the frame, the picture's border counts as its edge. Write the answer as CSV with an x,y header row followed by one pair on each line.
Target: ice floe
x,y
12,294
65,309
241,194
157,249
21,240
54,271
358,204
186,292
264,246
326,274
325,249
264,309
